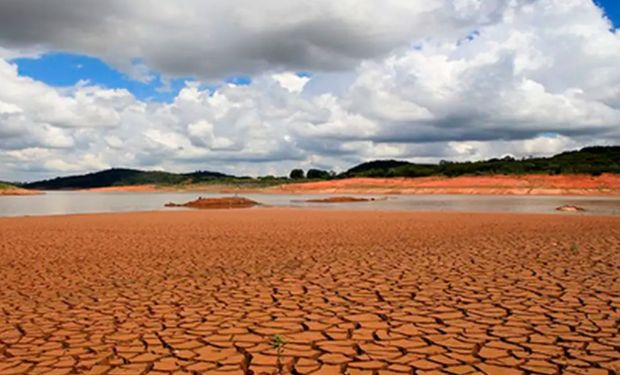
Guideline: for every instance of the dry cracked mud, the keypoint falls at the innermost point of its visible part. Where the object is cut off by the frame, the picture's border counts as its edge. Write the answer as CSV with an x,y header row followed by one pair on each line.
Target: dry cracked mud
x,y
350,292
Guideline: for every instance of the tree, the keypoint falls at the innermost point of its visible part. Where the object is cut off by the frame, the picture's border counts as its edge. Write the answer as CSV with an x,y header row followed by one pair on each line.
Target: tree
x,y
297,174
318,174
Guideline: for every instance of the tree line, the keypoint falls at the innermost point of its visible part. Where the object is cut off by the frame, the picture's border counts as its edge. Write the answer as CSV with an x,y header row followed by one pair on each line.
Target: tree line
x,y
590,160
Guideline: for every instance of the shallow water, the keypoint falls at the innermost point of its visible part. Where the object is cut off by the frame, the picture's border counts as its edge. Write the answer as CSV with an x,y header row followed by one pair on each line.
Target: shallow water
x,y
60,203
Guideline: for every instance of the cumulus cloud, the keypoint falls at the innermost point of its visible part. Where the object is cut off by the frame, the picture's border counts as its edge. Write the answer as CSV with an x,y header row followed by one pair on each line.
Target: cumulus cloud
x,y
212,38
425,81
534,73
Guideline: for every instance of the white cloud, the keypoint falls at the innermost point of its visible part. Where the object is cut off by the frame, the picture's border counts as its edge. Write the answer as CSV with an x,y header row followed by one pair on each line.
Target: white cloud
x,y
82,106
291,81
86,162
536,77
511,81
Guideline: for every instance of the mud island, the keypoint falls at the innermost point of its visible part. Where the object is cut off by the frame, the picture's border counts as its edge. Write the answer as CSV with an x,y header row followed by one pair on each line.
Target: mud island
x,y
217,203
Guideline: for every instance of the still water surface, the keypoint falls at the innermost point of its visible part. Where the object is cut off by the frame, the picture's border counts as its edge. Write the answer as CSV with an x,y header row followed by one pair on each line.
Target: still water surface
x,y
60,203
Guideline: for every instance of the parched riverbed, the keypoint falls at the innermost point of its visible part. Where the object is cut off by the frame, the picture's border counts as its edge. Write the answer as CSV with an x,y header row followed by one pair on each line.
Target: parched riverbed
x,y
357,292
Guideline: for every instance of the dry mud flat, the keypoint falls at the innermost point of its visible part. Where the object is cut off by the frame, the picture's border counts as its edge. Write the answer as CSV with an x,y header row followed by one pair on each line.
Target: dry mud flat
x,y
356,293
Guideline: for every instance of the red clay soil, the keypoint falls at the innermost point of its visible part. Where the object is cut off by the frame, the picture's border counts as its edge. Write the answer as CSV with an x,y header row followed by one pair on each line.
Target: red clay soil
x,y
18,191
606,184
338,200
217,203
126,189
350,292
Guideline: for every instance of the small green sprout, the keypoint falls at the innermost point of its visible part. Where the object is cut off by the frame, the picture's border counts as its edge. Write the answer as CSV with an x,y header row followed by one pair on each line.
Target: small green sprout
x,y
574,248
278,342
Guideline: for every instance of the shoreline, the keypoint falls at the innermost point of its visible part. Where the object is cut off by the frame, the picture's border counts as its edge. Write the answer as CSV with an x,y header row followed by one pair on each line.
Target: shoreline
x,y
293,210
381,192
526,185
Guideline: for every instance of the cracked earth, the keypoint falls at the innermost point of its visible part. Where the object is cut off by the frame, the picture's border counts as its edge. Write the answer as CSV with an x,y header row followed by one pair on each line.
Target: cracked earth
x,y
350,292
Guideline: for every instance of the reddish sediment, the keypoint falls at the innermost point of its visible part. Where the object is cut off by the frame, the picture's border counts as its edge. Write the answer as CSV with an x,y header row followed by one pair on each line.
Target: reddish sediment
x,y
18,191
217,203
584,185
127,189
350,292
606,184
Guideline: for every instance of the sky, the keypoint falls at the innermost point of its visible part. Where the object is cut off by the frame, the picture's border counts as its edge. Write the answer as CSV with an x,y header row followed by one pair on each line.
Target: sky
x,y
254,89
612,10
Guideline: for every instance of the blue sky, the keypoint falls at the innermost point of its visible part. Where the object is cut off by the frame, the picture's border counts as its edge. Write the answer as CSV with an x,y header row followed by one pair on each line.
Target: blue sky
x,y
66,69
612,8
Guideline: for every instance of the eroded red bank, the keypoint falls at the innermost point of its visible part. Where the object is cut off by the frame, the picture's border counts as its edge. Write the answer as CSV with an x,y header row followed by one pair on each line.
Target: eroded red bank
x,y
606,184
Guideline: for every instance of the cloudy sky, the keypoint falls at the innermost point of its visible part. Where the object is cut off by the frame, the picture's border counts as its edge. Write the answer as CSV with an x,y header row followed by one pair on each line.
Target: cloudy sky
x,y
259,87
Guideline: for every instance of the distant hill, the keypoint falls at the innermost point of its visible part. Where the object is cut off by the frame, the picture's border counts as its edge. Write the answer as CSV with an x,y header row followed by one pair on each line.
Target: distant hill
x,y
590,160
123,177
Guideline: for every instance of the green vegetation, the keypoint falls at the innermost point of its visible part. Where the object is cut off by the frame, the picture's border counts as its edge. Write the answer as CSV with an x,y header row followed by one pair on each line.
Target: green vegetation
x,y
574,248
313,174
297,174
278,343
6,186
591,160
319,174
124,177
391,168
